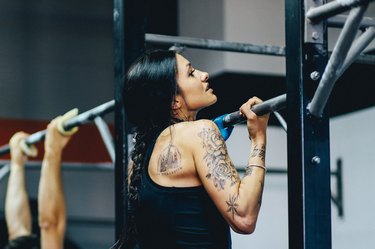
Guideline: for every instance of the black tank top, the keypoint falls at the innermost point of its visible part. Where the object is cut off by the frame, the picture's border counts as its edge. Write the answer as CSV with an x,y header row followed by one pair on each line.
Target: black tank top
x,y
178,217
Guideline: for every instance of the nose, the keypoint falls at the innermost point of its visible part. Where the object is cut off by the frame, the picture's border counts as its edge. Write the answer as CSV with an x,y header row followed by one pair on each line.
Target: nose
x,y
204,76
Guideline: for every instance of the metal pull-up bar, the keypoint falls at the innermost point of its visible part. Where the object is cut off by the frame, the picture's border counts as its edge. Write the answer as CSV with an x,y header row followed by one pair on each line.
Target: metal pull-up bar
x,y
271,105
218,45
339,21
80,119
267,106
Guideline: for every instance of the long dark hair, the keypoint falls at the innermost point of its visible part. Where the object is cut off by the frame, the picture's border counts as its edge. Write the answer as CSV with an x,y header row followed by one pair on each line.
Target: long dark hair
x,y
148,95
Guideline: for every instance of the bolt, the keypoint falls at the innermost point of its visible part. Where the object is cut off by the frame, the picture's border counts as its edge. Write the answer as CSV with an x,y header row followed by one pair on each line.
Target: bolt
x,y
315,35
315,75
315,160
115,15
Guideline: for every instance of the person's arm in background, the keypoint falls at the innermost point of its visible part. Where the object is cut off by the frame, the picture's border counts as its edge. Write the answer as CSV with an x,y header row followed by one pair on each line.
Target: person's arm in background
x,y
51,201
17,208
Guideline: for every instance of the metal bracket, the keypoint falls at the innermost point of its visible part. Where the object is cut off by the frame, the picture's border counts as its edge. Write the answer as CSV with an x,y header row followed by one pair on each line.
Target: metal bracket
x,y
313,31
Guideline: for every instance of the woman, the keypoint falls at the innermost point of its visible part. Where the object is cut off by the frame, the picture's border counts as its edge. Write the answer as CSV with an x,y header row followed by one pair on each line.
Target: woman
x,y
184,191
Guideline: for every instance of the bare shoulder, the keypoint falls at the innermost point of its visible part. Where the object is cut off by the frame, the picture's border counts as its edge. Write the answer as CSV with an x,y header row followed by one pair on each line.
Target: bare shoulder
x,y
193,134
193,130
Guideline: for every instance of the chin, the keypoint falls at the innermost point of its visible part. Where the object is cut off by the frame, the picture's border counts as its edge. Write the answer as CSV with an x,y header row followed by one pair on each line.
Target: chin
x,y
214,100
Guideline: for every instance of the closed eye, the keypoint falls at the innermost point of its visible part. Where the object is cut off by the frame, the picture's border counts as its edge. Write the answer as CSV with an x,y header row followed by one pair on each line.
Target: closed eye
x,y
191,74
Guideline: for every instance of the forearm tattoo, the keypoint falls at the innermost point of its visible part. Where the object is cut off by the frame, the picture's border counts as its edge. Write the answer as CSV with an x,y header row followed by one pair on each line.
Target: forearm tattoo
x,y
248,170
232,205
259,151
220,167
169,161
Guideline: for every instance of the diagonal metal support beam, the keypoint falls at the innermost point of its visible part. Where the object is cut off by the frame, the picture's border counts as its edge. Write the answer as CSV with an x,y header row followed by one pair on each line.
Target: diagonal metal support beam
x,y
106,136
332,70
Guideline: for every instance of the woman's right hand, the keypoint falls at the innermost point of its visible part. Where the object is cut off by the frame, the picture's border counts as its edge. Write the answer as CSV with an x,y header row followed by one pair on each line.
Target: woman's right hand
x,y
256,125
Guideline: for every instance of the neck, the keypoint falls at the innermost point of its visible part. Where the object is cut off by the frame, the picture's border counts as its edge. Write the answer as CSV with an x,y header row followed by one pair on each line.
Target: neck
x,y
182,116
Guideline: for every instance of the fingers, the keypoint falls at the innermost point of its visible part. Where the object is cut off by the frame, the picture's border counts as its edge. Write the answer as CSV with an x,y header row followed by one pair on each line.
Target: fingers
x,y
28,150
18,142
62,119
17,137
245,109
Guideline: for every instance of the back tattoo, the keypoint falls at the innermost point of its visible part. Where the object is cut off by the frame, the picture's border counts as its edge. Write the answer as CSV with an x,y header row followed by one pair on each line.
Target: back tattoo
x,y
169,161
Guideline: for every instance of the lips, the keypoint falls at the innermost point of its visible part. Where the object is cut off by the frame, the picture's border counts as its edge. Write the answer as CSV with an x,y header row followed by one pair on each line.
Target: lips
x,y
208,87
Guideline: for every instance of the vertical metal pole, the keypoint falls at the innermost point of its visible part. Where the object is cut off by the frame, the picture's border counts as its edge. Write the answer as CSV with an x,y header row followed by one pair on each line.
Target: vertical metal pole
x,y
129,18
309,194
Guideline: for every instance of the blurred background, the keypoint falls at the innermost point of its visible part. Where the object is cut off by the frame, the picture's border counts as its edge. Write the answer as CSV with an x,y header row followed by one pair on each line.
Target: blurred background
x,y
58,55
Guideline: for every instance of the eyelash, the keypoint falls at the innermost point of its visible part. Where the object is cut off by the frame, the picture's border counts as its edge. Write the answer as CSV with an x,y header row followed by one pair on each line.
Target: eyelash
x,y
191,74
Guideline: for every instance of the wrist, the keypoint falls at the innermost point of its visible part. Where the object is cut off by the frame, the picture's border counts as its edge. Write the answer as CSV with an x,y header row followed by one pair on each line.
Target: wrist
x,y
258,141
17,164
258,153
51,154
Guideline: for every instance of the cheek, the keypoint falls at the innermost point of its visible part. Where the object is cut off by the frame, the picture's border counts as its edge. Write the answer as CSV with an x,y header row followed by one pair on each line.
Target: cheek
x,y
196,101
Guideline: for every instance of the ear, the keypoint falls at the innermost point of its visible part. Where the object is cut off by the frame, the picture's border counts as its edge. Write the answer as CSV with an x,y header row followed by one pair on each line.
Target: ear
x,y
176,103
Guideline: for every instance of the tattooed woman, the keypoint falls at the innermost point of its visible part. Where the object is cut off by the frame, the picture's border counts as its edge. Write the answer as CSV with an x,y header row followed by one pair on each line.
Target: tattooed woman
x,y
184,191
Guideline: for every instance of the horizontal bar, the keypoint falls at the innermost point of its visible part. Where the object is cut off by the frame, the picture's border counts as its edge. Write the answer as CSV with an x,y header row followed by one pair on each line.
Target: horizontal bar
x,y
90,221
36,165
80,119
280,171
335,62
211,44
271,105
339,21
90,115
5,169
331,9
219,45
365,59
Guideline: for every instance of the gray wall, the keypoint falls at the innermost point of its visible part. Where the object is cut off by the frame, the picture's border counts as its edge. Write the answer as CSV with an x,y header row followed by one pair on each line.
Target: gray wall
x,y
56,54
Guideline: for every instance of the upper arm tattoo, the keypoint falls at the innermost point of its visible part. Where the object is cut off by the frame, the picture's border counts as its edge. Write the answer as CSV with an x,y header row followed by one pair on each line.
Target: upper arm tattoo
x,y
169,160
220,167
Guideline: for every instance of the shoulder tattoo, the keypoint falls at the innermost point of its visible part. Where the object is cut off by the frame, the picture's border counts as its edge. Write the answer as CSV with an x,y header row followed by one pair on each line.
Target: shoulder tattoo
x,y
220,168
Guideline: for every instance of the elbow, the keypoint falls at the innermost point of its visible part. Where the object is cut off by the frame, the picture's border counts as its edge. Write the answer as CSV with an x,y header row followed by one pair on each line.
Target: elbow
x,y
245,226
46,223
